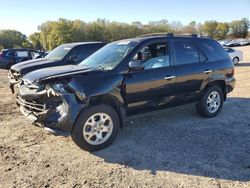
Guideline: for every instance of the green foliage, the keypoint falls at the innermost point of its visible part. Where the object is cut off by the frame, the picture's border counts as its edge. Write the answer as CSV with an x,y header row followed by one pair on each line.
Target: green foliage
x,y
209,28
35,40
239,28
55,33
13,38
222,30
190,28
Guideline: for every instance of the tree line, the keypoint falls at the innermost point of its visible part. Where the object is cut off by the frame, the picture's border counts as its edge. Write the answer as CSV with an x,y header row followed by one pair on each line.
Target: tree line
x,y
54,33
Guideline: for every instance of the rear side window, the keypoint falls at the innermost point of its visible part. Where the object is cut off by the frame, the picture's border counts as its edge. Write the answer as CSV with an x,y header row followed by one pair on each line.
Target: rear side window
x,y
214,50
185,53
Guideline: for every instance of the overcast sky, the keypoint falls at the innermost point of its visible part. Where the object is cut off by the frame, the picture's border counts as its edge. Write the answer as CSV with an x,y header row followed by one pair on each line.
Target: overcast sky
x,y
26,15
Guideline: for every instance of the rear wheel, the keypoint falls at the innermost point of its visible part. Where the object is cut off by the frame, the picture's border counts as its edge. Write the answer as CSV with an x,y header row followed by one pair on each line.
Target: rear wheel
x,y
236,60
211,102
96,127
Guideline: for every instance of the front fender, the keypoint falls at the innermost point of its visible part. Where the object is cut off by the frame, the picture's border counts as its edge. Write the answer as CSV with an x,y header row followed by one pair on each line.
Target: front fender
x,y
98,85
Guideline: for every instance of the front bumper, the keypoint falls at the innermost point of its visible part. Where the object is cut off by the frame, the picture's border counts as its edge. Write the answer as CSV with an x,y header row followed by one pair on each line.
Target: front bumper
x,y
56,112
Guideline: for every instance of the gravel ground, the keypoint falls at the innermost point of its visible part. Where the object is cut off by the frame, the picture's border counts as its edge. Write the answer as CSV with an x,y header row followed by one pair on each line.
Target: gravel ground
x,y
169,148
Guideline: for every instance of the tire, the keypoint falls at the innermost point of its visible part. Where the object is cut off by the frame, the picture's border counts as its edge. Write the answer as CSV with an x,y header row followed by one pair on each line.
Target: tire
x,y
88,127
236,61
210,110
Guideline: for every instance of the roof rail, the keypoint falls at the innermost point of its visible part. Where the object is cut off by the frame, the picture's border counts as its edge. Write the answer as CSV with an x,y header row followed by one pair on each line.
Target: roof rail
x,y
152,34
182,35
168,35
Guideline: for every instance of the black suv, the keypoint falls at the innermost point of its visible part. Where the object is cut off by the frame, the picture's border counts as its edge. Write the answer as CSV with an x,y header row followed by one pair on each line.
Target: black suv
x,y
125,78
9,57
72,53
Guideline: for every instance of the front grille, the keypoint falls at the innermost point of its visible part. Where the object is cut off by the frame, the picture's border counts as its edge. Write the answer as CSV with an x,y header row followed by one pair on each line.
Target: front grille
x,y
31,106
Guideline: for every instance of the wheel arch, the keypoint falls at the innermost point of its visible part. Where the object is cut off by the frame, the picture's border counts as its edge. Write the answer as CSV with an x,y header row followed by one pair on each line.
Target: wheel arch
x,y
112,101
219,82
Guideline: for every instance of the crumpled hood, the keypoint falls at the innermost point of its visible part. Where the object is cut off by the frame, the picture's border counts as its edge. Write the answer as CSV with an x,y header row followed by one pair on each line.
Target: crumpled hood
x,y
54,72
34,64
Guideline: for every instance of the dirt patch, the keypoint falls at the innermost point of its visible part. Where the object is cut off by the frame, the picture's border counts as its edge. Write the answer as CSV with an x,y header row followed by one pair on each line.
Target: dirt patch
x,y
169,148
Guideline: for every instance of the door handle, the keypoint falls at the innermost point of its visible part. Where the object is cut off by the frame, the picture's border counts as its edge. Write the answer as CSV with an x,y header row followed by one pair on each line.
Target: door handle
x,y
207,71
169,77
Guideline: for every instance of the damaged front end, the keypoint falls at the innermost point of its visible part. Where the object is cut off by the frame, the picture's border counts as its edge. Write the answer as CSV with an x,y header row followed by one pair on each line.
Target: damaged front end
x,y
54,105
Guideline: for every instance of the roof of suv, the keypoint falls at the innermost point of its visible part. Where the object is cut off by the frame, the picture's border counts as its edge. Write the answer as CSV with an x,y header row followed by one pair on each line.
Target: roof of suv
x,y
19,49
81,43
163,35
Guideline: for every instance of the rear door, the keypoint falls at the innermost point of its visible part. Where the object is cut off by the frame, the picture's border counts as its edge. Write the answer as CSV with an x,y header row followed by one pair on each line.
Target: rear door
x,y
191,68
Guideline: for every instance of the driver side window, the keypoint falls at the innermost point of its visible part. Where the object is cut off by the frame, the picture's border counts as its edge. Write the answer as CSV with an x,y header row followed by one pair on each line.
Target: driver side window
x,y
153,56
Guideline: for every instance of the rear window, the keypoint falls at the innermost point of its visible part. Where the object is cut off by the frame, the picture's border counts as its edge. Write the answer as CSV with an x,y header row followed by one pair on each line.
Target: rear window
x,y
214,50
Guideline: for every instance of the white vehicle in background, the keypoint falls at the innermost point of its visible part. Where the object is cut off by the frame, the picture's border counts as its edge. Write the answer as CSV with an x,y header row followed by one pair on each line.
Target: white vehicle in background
x,y
244,42
235,55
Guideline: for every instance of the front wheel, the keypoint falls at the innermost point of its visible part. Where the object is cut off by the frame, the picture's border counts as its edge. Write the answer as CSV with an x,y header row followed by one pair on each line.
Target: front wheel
x,y
96,127
211,102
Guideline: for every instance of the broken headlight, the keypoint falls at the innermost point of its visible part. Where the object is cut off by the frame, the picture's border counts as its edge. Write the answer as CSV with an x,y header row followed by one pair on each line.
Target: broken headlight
x,y
58,87
55,89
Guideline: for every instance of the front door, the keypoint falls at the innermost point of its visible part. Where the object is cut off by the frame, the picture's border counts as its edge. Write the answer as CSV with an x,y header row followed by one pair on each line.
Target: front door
x,y
154,86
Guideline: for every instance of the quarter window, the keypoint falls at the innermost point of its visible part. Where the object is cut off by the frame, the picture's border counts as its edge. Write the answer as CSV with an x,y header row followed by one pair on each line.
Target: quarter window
x,y
185,53
214,50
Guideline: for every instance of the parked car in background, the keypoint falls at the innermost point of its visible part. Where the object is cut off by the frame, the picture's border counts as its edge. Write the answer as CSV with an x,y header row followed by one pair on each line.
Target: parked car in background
x,y
243,42
235,55
232,43
9,57
72,53
92,99
235,42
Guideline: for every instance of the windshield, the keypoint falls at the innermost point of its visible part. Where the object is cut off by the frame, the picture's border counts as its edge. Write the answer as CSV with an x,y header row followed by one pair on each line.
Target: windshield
x,y
109,56
58,53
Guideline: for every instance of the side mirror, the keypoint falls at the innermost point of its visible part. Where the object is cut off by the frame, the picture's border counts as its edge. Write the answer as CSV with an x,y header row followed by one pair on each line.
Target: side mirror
x,y
73,59
136,65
